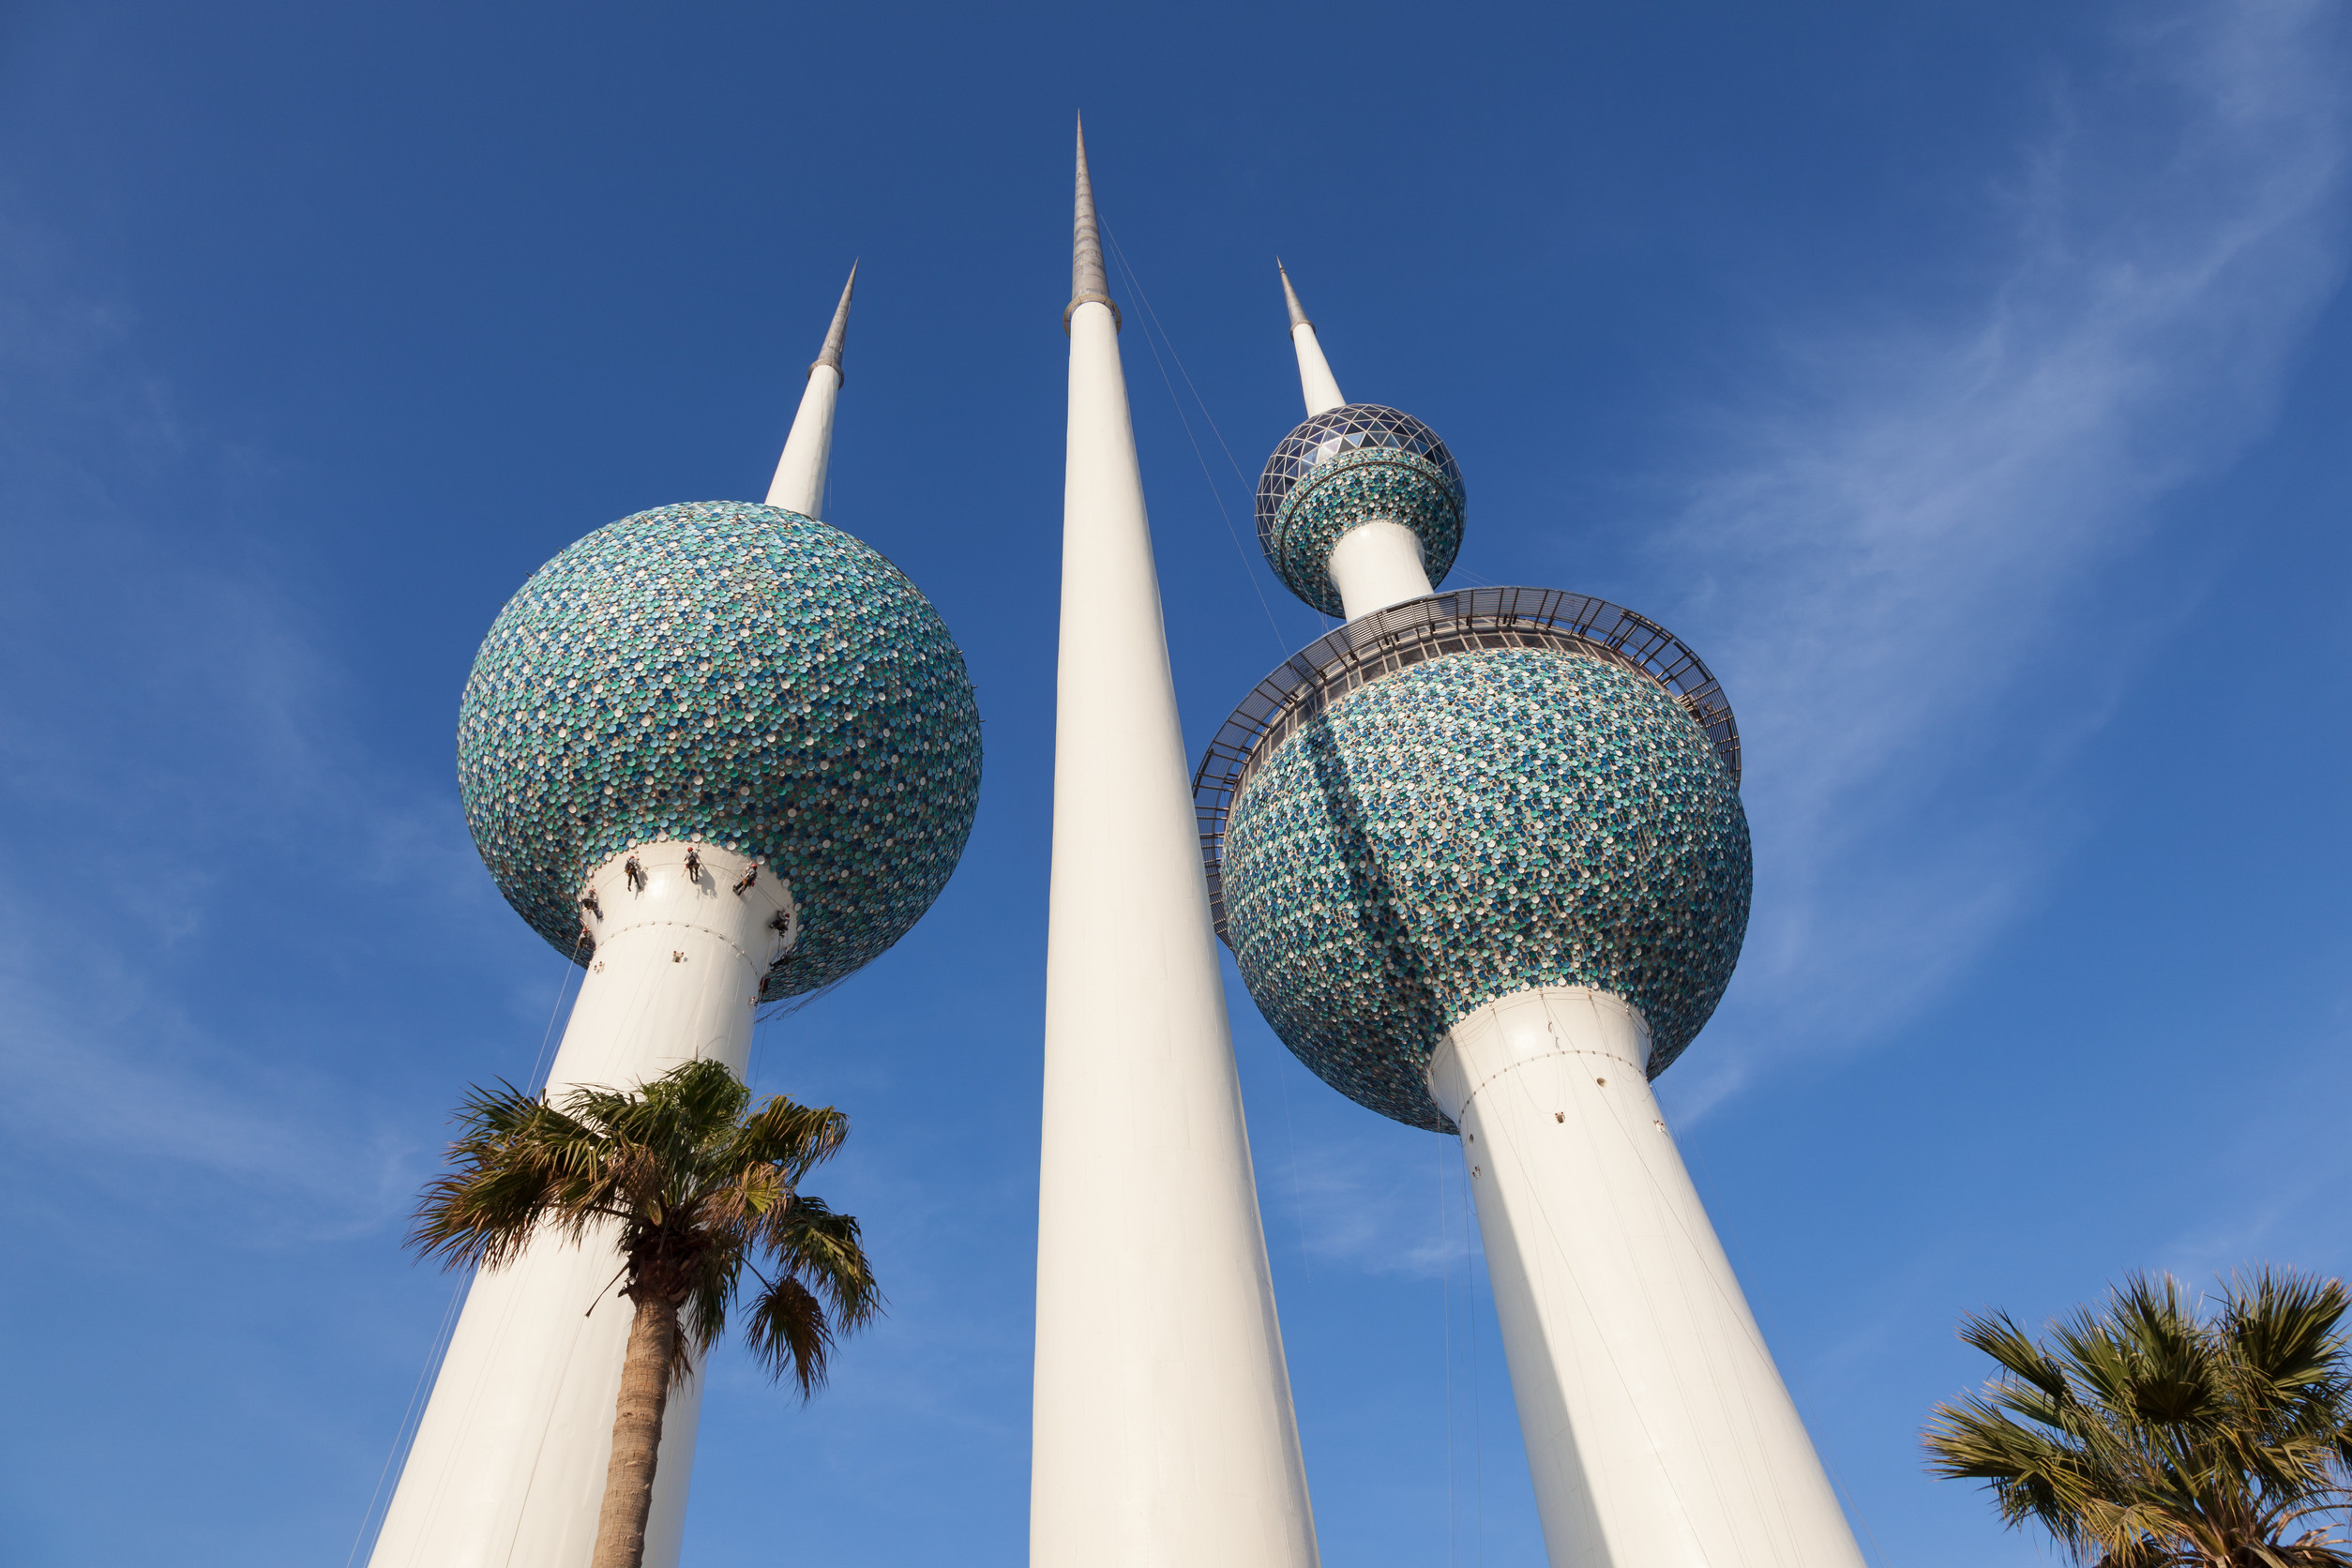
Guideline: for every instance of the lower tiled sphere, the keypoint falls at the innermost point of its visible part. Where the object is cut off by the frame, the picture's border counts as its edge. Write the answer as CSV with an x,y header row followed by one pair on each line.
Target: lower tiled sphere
x,y
1471,827
731,674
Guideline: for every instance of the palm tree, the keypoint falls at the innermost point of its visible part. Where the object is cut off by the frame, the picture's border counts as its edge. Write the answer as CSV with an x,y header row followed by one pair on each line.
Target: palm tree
x,y
691,1191
2142,1435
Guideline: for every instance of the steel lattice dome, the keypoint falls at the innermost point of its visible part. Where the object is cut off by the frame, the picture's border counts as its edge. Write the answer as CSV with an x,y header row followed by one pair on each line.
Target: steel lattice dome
x,y
729,674
1348,466
1470,827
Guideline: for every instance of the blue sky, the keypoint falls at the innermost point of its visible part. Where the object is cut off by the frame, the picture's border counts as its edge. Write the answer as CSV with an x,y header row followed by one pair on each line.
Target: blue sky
x,y
1967,382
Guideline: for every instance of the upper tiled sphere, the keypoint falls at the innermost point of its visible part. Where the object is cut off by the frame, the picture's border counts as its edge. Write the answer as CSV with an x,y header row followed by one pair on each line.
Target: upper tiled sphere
x,y
1471,826
1348,466
728,675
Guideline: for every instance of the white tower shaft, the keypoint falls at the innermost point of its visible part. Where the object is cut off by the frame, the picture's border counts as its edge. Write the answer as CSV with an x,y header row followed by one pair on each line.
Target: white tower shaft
x,y
1315,378
1315,381
508,1467
1656,1424
799,485
1164,1436
1375,563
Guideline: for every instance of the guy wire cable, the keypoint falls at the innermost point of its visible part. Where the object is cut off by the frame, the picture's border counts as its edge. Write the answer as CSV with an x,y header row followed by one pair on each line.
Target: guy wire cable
x,y
404,1434
1281,646
1282,1082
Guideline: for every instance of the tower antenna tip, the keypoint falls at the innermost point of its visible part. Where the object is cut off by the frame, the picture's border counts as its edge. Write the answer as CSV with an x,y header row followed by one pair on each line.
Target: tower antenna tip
x,y
1290,296
838,335
1087,281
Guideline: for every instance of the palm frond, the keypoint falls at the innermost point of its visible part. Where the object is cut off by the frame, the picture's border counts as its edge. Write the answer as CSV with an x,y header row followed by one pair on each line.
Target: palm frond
x,y
685,1185
519,1167
1998,1335
794,1137
2146,1432
822,1248
789,1335
2284,1327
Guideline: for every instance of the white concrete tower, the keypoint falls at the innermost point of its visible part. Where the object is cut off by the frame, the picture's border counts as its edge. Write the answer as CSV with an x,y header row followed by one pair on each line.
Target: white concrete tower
x,y
508,1467
1164,1436
1657,1426
1378,562
799,485
1483,866
661,809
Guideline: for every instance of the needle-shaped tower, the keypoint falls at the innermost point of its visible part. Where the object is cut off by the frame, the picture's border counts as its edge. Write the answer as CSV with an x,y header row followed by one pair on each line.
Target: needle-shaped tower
x,y
1163,1430
719,754
1480,859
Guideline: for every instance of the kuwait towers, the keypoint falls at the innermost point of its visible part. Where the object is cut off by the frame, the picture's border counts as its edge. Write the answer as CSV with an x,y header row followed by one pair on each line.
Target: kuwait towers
x,y
1163,1433
1482,861
719,754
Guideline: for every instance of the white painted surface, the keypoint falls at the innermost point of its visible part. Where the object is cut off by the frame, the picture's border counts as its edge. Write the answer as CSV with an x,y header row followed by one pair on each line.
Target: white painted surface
x,y
1658,1429
1164,1432
799,485
1376,565
508,1466
1315,378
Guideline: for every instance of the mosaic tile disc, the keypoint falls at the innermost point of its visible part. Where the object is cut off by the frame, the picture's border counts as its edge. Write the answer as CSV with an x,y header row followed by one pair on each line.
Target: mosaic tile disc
x,y
1474,826
731,674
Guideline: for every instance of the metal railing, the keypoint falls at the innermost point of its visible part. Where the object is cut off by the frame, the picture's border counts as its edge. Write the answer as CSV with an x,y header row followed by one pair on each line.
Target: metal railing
x,y
1380,644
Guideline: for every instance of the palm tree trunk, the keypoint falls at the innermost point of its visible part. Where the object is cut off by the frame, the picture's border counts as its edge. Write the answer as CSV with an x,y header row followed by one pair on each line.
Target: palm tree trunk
x,y
629,1482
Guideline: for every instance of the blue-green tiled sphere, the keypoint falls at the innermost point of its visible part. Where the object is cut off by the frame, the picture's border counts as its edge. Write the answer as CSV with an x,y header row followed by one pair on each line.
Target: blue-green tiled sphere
x,y
1348,466
731,674
1473,827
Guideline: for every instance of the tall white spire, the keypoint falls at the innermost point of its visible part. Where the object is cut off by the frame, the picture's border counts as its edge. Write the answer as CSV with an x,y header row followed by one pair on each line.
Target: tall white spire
x,y
1378,563
799,485
1315,377
1088,283
1162,1431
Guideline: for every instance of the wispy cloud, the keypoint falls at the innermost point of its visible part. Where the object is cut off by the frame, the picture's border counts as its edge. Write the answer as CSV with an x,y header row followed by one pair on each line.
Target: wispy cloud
x,y
177,750
1902,527
1388,1203
112,1079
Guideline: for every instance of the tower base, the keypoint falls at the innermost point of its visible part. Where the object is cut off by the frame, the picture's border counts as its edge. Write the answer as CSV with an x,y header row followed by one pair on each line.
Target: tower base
x,y
1658,1429
508,1467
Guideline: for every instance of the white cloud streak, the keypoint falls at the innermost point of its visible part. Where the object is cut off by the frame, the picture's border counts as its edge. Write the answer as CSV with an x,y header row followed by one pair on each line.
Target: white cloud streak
x,y
109,1078
1375,1203
174,749
1901,528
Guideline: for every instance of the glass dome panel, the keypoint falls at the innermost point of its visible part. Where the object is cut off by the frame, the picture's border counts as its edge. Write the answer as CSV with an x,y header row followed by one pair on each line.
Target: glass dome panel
x,y
1336,432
